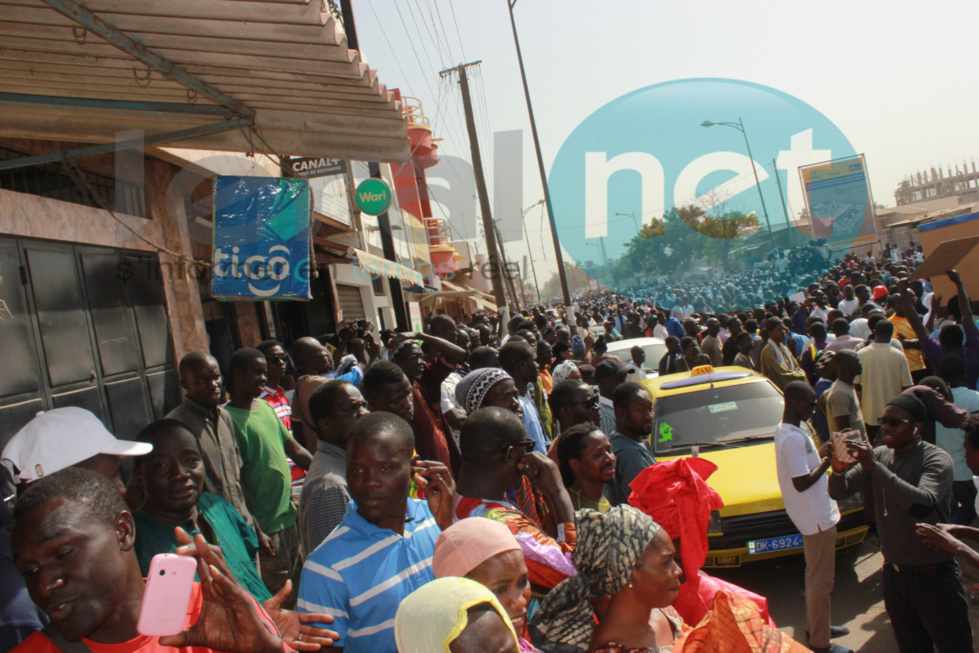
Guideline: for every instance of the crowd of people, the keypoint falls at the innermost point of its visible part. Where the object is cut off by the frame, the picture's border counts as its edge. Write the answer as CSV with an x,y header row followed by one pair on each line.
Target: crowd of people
x,y
488,485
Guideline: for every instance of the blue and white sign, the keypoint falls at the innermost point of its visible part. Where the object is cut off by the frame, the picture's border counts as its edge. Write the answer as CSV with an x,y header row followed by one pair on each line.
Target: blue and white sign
x,y
261,238
645,156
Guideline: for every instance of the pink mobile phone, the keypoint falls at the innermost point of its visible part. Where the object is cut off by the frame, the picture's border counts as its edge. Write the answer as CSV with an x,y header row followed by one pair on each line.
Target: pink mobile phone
x,y
167,596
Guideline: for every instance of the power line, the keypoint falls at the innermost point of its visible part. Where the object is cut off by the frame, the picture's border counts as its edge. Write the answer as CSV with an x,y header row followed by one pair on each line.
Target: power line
x,y
418,31
421,67
397,59
462,48
441,44
414,50
445,34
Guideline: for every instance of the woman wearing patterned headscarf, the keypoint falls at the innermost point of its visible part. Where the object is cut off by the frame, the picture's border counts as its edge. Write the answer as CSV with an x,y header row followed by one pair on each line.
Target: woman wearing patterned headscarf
x,y
622,554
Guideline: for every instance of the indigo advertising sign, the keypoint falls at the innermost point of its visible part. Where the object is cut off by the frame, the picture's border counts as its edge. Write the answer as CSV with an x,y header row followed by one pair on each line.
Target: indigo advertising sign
x,y
261,238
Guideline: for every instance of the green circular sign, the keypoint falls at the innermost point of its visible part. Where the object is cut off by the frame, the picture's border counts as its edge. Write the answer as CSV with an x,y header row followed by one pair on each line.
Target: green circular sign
x,y
373,196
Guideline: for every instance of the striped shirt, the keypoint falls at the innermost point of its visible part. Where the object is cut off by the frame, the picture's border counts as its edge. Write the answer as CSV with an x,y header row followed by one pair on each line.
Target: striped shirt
x,y
361,573
279,400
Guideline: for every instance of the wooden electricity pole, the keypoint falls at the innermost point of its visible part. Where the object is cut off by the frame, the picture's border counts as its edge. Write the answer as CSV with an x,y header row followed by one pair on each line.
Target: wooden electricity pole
x,y
492,246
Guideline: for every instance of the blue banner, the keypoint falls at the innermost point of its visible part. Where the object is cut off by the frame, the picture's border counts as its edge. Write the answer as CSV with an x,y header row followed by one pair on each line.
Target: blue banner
x,y
261,238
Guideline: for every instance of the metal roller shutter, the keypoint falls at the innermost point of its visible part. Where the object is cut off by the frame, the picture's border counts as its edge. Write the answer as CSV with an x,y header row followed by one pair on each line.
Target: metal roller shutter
x,y
351,302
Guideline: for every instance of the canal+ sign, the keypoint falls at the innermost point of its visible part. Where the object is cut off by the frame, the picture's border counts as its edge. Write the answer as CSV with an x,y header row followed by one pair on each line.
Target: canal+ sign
x,y
373,196
261,238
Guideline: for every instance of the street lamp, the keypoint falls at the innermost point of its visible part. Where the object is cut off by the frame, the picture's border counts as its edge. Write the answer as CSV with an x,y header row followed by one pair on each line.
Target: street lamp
x,y
530,252
740,127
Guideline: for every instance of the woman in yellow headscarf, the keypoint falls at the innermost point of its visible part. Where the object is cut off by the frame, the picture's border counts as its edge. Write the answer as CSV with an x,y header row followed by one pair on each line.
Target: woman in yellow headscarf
x,y
453,615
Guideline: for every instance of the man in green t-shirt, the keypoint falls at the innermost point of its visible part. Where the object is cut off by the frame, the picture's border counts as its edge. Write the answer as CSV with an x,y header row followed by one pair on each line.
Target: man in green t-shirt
x,y
264,443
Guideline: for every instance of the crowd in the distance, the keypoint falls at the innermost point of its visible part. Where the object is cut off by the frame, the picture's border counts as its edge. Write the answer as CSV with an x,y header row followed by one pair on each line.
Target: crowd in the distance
x,y
487,486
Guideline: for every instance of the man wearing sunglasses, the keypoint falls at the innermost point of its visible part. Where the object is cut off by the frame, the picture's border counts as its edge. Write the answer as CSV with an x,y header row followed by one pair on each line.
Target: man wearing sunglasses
x,y
911,481
496,458
574,402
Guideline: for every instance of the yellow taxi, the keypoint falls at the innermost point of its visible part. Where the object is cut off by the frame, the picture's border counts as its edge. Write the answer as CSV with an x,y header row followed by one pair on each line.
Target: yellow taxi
x,y
728,415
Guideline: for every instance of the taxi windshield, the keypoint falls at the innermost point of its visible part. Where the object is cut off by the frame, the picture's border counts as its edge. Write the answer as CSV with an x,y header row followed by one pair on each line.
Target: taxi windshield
x,y
720,416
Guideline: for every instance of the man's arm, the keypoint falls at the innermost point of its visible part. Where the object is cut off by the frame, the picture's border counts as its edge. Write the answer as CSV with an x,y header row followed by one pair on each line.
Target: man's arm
x,y
298,453
804,482
962,532
965,306
436,481
939,408
907,301
455,418
940,537
451,353
921,499
543,474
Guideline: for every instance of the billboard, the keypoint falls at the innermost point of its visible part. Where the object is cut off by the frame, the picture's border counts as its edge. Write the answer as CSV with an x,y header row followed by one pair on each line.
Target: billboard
x,y
261,238
839,202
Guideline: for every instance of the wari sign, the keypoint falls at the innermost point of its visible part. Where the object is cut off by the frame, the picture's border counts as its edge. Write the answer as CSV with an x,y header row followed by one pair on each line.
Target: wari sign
x,y
261,238
373,196
309,167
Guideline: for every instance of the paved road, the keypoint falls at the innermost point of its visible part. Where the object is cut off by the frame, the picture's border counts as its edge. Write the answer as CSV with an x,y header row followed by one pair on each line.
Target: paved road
x,y
857,599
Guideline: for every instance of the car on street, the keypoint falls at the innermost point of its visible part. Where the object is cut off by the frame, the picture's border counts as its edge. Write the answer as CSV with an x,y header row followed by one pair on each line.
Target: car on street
x,y
655,349
728,415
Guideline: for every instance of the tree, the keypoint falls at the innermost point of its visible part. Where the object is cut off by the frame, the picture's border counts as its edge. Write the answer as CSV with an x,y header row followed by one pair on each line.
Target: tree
x,y
578,280
674,242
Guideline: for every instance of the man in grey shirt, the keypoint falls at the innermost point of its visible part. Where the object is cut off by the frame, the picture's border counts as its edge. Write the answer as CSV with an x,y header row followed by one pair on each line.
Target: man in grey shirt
x,y
911,482
333,407
633,424
202,414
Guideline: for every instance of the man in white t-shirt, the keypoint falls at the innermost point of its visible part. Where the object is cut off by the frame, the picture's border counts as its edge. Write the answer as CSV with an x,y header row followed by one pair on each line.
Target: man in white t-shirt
x,y
849,303
802,479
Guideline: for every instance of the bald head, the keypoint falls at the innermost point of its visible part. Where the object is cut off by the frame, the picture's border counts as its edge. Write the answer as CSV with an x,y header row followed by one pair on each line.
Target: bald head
x,y
311,355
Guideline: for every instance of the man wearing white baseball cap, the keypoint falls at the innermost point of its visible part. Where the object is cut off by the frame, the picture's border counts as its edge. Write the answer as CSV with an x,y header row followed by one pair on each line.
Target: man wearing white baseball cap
x,y
68,437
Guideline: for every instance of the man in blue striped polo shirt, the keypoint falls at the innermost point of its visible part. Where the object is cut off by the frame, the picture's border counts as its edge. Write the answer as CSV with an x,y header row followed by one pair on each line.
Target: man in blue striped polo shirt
x,y
382,550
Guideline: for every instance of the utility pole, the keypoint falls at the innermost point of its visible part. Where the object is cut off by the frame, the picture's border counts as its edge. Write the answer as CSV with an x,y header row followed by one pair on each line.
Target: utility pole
x,y
489,229
558,258
506,266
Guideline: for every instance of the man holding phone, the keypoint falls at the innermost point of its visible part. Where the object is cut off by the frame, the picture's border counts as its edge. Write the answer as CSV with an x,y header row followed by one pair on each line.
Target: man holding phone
x,y
72,539
911,481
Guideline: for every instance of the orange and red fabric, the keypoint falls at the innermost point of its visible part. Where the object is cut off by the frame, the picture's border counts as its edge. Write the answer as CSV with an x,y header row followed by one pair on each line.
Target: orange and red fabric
x,y
676,495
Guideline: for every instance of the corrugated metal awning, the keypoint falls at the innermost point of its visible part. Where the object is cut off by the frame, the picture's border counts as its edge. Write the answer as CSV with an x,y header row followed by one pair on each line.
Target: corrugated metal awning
x,y
189,64
377,266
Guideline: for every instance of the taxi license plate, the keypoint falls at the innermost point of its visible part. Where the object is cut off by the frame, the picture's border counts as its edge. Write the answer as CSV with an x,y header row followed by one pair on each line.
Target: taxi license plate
x,y
783,543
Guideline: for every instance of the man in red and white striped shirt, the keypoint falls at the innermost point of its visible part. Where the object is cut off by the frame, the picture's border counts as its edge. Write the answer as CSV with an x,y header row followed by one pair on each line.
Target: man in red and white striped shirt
x,y
279,398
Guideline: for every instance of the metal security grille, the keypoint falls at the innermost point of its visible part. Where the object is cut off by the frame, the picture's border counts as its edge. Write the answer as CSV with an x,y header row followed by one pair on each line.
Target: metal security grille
x,y
51,180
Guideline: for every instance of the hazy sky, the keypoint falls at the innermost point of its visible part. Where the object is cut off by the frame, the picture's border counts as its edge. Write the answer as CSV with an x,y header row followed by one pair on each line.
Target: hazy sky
x,y
896,77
